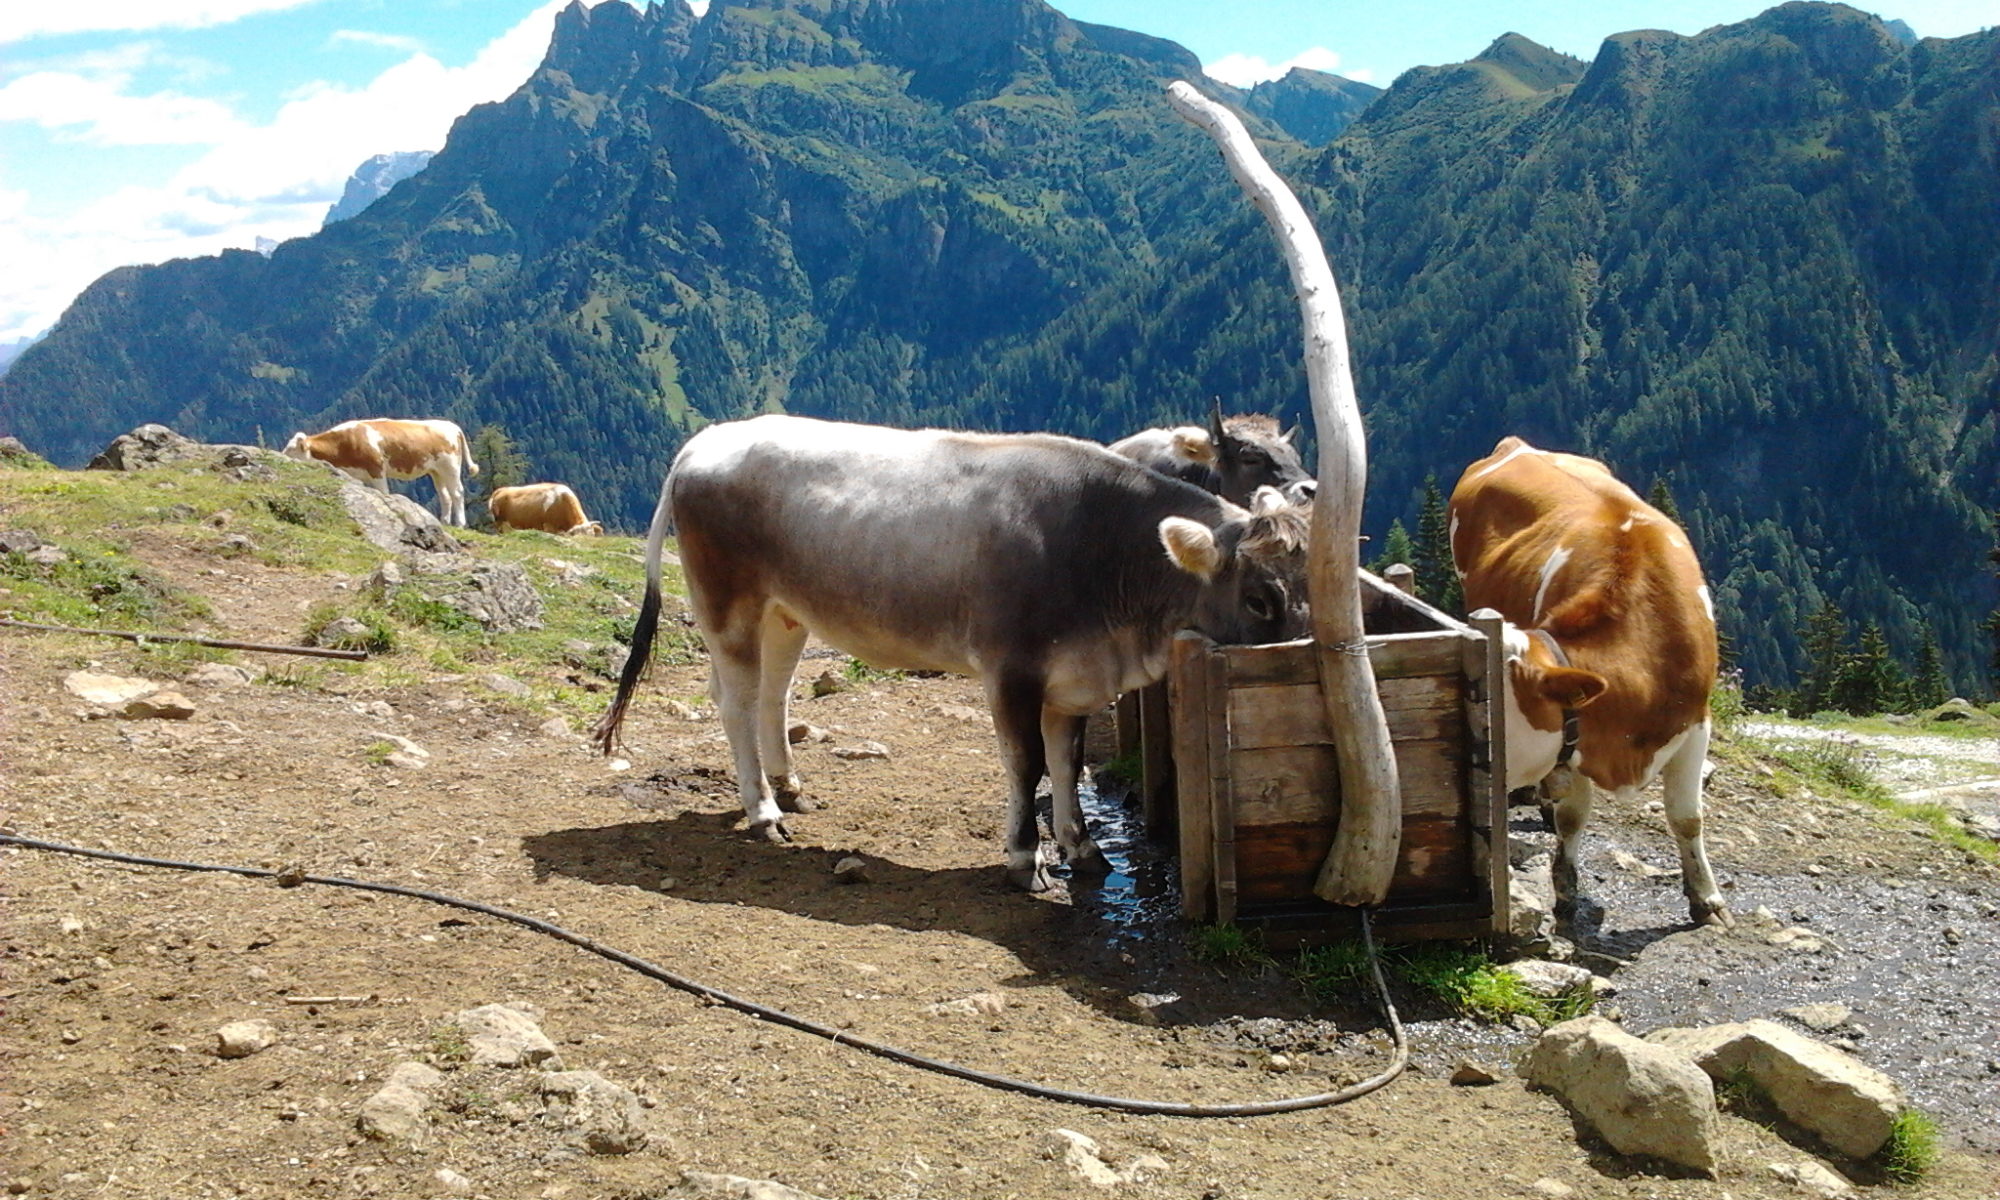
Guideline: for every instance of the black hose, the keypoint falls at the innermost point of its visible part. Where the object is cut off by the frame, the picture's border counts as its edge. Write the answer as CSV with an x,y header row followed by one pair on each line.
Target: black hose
x,y
1398,1059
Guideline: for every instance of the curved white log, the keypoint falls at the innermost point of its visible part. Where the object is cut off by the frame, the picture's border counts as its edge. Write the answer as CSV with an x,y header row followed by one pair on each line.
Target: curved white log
x,y
1358,869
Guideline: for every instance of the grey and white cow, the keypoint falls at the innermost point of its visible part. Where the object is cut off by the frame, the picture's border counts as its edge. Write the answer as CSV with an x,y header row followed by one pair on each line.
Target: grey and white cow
x,y
1233,457
1053,570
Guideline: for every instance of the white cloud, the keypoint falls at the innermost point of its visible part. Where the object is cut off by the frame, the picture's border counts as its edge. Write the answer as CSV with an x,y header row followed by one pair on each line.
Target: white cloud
x,y
108,117
273,180
24,19
1246,70
384,41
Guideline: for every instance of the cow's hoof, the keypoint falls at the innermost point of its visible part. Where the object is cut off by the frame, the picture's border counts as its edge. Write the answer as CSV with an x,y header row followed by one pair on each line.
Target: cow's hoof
x,y
794,802
1711,912
772,831
1030,879
1086,857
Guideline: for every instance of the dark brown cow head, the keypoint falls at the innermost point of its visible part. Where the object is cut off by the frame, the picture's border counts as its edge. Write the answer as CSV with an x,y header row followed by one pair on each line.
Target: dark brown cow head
x,y
1251,451
1252,566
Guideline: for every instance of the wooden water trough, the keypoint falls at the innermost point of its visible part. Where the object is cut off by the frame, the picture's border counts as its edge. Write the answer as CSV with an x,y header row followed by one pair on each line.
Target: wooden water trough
x,y
1237,765
1355,770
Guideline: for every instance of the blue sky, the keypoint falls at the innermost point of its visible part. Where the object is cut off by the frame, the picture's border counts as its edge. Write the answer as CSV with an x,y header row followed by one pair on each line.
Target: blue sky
x,y
135,131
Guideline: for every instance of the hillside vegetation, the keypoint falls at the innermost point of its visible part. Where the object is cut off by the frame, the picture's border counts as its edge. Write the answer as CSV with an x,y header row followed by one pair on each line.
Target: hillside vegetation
x,y
1759,267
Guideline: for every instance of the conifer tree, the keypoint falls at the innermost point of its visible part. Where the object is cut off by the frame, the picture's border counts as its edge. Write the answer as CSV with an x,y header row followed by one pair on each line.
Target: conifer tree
x,y
1870,681
1437,580
1663,499
501,464
1396,548
1824,639
1931,687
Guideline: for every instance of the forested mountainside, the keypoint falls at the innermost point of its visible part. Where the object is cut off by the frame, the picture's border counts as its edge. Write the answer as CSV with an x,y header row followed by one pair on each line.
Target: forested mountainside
x,y
1761,265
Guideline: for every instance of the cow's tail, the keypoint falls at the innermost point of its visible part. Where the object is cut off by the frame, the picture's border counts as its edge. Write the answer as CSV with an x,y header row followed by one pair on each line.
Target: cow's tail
x,y
465,452
604,735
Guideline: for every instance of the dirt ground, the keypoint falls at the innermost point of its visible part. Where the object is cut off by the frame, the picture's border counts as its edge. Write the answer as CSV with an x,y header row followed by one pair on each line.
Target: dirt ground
x,y
115,979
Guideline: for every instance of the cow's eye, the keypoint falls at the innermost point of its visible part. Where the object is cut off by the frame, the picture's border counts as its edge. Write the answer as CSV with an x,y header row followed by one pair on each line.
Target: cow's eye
x,y
1255,458
1260,605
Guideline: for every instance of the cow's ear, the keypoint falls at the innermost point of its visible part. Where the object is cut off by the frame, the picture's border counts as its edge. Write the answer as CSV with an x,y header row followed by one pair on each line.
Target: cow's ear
x,y
1267,500
1191,442
1568,687
1191,545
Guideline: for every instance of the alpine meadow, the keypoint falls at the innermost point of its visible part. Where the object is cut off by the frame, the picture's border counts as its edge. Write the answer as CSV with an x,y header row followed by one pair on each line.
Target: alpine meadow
x,y
1756,270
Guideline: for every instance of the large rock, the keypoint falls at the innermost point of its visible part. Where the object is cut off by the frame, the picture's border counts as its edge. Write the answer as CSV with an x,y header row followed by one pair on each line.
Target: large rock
x,y
498,595
1640,1097
703,1186
103,689
394,523
157,445
1825,1091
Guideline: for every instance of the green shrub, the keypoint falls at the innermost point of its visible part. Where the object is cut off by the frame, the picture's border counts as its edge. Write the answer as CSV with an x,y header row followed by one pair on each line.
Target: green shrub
x,y
1912,1148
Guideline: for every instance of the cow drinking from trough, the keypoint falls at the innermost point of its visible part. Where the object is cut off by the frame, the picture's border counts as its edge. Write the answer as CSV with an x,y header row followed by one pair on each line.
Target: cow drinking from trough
x,y
547,507
1233,457
1053,570
1611,645
376,451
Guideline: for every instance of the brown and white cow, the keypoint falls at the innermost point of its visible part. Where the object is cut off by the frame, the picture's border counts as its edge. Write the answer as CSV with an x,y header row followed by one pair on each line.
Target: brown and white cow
x,y
1053,570
1233,457
380,449
547,507
1610,625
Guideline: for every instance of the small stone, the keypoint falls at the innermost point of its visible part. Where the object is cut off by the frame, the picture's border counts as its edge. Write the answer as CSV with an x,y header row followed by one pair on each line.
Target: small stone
x,y
343,633
241,1039
71,925
163,705
851,869
503,1036
682,710
607,1118
554,727
829,683
386,580
219,676
862,752
236,545
406,762
1813,1179
979,1004
1554,1189
802,731
1820,1018
1278,1064
1471,1074
453,1182
668,883
507,685
47,556
1953,934
95,688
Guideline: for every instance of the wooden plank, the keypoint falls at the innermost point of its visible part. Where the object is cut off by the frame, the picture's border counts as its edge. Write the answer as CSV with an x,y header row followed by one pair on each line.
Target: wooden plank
x,y
1156,761
1390,656
1187,698
1280,785
1489,805
1425,706
1222,810
1127,710
1278,863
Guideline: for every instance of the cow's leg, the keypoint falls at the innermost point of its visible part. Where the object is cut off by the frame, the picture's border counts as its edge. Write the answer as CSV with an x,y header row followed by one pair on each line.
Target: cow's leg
x,y
1016,702
1681,779
1572,812
450,496
783,641
734,676
1062,735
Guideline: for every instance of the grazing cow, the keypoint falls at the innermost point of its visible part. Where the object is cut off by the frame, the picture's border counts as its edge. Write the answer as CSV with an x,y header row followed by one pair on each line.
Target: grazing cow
x,y
376,451
1233,457
548,507
1611,644
1053,570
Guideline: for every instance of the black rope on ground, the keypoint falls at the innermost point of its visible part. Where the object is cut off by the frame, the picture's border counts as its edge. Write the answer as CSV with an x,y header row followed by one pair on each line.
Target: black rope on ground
x,y
1256,1108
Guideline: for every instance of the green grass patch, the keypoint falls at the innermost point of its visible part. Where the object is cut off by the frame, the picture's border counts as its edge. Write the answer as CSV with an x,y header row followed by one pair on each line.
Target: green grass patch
x,y
97,584
1471,984
1912,1148
1840,768
1228,945
1123,771
1331,974
376,636
860,672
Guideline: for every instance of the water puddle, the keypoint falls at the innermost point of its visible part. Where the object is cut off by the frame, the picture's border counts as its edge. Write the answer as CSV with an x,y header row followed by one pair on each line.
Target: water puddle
x,y
1140,897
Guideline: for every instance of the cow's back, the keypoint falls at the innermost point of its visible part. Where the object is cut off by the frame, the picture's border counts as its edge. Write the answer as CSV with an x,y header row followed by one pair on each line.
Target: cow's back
x,y
1554,541
919,548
